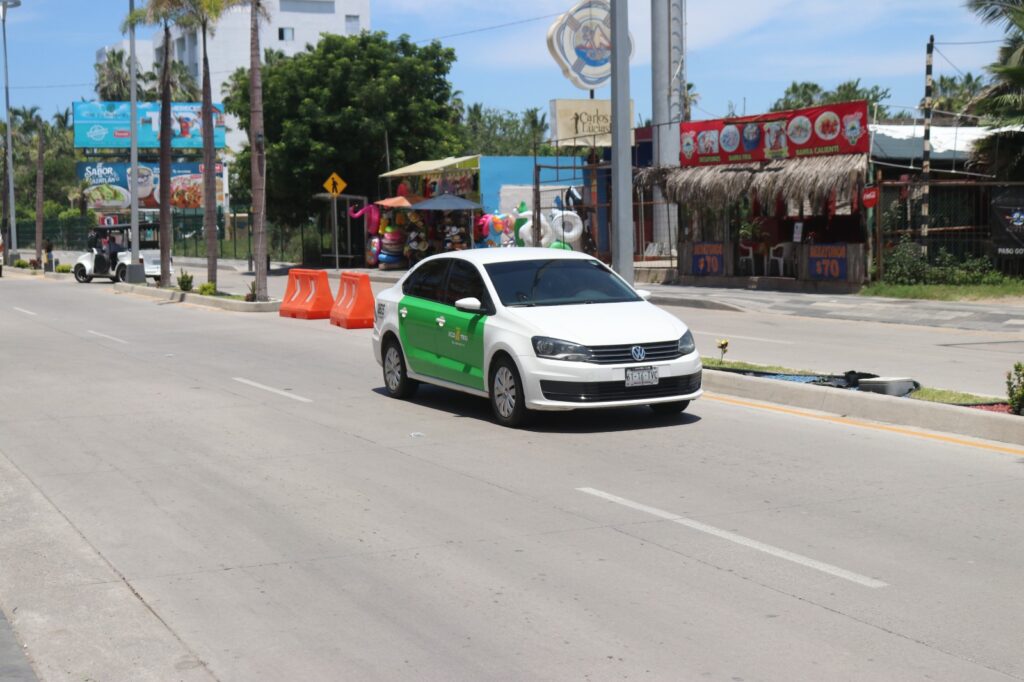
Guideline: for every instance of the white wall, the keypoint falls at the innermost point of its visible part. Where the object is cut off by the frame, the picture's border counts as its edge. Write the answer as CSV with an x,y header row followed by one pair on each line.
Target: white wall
x,y
143,52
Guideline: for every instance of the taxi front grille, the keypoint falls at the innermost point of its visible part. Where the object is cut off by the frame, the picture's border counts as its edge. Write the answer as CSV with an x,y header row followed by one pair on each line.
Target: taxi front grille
x,y
623,354
611,391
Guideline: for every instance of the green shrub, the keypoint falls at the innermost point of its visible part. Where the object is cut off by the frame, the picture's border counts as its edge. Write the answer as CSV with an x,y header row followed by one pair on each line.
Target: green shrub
x,y
185,281
63,267
906,264
21,263
1015,388
207,289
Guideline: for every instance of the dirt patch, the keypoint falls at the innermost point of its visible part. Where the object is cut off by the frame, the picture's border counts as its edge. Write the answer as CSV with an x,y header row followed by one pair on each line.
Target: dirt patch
x,y
1002,409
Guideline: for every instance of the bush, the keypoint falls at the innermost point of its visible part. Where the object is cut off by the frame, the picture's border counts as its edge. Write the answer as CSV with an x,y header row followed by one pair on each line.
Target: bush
x,y
907,264
21,263
185,281
207,289
63,268
1015,388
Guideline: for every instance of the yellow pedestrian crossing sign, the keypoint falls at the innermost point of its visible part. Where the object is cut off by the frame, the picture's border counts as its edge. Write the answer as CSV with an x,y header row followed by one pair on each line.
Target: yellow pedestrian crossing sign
x,y
335,185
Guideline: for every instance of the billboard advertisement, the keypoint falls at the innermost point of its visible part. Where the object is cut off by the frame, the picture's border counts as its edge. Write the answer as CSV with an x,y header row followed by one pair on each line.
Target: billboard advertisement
x,y
109,192
107,125
816,131
1007,219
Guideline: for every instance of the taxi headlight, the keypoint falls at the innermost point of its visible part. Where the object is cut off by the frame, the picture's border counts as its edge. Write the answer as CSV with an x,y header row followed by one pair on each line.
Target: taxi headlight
x,y
686,344
556,349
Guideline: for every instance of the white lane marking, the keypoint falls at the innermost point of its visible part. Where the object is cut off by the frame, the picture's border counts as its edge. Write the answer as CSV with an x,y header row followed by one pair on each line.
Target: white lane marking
x,y
286,394
106,336
740,540
745,338
27,312
1015,322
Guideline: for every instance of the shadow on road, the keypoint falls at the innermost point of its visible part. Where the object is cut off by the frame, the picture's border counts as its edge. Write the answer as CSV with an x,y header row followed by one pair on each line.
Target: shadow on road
x,y
608,420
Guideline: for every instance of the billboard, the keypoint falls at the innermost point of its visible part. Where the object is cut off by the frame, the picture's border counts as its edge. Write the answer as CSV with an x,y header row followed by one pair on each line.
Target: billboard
x,y
108,190
1007,219
107,125
583,122
816,131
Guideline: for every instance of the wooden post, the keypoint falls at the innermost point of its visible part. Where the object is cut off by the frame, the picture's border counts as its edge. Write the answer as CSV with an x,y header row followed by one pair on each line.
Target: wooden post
x,y
926,154
879,246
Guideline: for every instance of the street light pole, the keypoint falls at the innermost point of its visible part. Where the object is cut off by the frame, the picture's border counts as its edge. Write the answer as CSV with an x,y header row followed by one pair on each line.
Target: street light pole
x,y
135,272
622,162
13,251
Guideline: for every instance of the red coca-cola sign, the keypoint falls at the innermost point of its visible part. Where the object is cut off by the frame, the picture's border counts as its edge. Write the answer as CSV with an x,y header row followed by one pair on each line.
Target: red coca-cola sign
x,y
870,197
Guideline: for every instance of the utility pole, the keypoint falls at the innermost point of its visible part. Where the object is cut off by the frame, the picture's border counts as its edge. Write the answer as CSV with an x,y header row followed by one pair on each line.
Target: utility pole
x,y
12,248
622,163
926,154
135,273
665,131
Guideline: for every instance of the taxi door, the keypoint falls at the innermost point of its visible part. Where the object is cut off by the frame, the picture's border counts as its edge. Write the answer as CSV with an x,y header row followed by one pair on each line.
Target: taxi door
x,y
420,316
461,345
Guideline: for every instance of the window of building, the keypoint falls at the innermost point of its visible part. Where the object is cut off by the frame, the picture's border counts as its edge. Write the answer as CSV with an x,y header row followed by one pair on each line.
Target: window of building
x,y
308,6
286,34
351,24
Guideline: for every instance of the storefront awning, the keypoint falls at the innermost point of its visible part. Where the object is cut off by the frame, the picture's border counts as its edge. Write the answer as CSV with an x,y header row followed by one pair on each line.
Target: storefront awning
x,y
424,167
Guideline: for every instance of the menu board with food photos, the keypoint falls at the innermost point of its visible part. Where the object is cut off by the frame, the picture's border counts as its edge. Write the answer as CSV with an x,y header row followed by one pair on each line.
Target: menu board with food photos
x,y
816,131
108,188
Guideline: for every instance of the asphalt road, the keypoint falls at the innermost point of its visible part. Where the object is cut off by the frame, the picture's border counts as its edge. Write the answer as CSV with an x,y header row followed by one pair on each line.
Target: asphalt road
x,y
194,494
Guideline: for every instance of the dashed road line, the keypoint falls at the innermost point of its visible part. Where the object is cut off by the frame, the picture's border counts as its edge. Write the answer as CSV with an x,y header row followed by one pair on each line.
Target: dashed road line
x,y
277,391
27,312
800,559
107,336
745,338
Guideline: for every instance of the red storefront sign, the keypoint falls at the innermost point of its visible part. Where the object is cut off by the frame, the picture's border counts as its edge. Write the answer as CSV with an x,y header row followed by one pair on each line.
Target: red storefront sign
x,y
870,197
816,131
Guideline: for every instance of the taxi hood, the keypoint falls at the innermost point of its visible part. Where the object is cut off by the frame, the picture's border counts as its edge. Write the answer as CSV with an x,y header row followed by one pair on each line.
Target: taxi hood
x,y
601,324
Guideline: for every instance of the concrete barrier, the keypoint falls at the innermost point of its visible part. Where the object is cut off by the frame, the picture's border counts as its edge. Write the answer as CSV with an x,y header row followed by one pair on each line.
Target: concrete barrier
x,y
873,406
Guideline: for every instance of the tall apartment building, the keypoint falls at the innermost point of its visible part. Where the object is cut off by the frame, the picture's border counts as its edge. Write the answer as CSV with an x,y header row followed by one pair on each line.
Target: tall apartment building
x,y
293,24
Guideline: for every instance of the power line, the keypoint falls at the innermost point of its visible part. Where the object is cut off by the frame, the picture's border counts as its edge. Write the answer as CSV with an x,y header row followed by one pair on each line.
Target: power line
x,y
949,61
970,42
50,87
491,28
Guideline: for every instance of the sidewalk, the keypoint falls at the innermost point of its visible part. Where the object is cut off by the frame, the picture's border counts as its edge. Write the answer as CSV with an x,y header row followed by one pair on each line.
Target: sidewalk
x,y
1003,317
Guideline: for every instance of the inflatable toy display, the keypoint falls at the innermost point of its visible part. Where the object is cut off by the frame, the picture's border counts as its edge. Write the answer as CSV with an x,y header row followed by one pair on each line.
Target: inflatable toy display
x,y
496,229
372,218
566,227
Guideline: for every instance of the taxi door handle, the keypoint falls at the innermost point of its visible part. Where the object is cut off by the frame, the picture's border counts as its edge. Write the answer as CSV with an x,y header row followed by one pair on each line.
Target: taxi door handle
x,y
440,321
403,312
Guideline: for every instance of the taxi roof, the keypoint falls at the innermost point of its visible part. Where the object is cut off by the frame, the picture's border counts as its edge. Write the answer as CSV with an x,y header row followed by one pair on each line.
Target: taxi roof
x,y
483,256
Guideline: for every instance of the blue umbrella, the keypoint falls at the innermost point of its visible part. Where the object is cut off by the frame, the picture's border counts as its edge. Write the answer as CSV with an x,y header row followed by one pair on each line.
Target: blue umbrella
x,y
446,202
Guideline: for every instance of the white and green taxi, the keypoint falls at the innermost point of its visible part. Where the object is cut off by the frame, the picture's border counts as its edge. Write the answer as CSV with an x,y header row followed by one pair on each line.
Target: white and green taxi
x,y
532,329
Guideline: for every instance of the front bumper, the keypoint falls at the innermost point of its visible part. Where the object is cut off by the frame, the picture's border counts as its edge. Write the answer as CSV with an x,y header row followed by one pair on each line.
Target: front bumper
x,y
558,385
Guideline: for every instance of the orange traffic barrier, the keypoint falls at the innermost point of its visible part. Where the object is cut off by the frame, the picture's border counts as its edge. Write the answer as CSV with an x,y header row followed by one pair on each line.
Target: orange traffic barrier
x,y
353,308
308,296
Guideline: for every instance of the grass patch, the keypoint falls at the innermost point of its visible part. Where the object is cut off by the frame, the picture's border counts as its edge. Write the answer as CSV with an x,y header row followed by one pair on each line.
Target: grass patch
x,y
932,395
715,363
938,395
946,292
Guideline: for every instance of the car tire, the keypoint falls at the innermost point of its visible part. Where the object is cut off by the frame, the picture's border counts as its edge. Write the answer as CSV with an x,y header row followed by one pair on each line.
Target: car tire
x,y
122,273
80,275
507,398
670,408
396,377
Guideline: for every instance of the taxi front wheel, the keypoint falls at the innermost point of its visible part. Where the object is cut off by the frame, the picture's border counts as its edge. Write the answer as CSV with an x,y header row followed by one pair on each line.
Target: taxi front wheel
x,y
396,379
507,399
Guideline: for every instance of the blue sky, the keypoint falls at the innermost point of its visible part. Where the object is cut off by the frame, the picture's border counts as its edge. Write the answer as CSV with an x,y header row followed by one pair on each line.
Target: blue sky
x,y
741,50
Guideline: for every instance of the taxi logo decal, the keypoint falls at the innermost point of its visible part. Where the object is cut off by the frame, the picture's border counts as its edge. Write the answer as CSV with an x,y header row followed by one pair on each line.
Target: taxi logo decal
x,y
459,338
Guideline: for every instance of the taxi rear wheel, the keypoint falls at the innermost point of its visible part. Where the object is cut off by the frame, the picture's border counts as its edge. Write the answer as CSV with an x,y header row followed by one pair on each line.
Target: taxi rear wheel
x,y
396,379
670,408
507,399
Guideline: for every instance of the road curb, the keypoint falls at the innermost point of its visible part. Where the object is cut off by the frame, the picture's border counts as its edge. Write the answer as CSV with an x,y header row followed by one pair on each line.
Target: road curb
x,y
963,421
705,303
195,299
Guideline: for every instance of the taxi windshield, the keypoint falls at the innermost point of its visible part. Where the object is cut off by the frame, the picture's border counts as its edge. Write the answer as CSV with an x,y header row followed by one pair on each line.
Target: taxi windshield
x,y
557,281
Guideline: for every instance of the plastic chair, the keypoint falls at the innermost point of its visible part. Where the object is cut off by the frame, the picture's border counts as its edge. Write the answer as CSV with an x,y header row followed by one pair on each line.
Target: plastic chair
x,y
747,256
780,255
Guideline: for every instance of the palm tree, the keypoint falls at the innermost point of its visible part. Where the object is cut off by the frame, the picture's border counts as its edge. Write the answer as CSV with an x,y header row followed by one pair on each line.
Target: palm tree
x,y
204,15
536,125
33,125
160,14
256,145
799,95
113,82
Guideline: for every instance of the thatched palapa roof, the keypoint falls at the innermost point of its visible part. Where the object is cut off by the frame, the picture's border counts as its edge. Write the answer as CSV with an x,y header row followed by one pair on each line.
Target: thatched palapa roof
x,y
811,178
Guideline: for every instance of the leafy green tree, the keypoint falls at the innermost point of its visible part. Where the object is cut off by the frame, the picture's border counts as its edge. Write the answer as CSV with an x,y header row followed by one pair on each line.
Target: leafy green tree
x,y
328,108
32,126
807,94
113,80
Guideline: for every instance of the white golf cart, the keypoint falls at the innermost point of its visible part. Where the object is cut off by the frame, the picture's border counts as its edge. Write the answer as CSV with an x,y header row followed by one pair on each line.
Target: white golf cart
x,y
110,253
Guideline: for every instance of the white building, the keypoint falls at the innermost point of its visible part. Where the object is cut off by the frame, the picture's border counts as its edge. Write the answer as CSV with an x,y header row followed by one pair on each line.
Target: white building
x,y
293,24
143,53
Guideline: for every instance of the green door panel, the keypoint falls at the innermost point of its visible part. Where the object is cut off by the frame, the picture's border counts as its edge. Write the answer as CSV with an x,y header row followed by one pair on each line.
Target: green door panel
x,y
420,333
461,349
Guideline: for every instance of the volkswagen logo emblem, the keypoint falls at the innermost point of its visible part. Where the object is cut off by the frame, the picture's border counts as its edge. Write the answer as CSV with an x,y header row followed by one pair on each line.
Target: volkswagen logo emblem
x,y
638,353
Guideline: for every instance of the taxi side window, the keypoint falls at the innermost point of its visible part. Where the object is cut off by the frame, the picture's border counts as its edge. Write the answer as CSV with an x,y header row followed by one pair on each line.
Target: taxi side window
x,y
428,280
465,282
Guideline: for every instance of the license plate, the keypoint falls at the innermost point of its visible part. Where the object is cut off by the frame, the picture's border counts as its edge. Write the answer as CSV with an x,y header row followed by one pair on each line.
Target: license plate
x,y
641,376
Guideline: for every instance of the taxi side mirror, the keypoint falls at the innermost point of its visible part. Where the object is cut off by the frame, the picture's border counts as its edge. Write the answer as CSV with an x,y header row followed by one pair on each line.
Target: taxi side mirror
x,y
470,305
